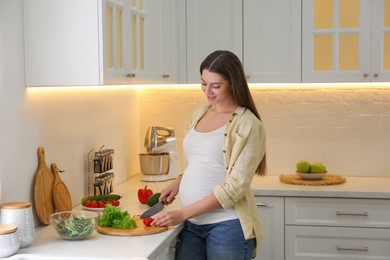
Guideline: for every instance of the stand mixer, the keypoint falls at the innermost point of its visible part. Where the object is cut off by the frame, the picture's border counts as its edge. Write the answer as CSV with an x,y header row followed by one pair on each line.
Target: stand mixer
x,y
161,161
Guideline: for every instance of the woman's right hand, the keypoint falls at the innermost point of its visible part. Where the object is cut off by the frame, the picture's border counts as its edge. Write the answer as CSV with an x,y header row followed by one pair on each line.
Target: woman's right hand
x,y
169,192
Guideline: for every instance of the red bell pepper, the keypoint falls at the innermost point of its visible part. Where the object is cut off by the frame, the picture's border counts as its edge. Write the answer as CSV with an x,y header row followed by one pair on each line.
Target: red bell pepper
x,y
144,194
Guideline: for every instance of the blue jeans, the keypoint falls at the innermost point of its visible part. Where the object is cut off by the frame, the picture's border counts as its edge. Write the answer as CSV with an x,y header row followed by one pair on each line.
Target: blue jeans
x,y
220,241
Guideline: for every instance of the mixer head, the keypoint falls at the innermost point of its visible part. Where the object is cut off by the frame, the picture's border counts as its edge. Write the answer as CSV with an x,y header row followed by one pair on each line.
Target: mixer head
x,y
157,137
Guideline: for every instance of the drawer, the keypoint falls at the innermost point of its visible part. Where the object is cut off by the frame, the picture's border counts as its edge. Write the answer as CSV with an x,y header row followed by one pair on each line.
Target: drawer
x,y
312,243
337,212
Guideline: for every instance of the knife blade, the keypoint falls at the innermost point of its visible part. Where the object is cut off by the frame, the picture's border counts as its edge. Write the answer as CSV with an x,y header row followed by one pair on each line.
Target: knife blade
x,y
153,210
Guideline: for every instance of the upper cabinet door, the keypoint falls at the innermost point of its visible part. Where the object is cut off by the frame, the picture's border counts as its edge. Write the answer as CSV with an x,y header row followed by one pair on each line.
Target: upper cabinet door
x,y
211,25
272,40
380,40
345,40
113,66
140,41
161,41
61,42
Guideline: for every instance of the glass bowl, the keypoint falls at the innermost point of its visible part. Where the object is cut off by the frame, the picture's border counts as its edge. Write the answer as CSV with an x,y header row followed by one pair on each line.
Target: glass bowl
x,y
74,225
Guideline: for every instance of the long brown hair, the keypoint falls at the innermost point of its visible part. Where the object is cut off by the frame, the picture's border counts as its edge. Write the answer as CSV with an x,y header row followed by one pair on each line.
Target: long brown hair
x,y
229,66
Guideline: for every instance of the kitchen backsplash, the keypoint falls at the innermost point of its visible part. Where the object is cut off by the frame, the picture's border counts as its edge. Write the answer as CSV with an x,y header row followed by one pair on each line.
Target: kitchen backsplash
x,y
346,128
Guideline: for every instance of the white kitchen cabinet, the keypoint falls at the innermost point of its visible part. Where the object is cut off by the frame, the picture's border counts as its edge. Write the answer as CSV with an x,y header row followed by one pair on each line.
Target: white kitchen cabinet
x,y
169,252
112,63
271,210
272,40
211,25
345,41
336,228
94,42
161,42
61,40
265,35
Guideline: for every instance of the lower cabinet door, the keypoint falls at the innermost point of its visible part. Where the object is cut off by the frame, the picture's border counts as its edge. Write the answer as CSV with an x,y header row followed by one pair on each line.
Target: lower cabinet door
x,y
168,253
271,210
336,243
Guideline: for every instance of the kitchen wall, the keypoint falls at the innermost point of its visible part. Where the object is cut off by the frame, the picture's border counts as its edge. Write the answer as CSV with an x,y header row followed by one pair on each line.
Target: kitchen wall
x,y
67,122
345,127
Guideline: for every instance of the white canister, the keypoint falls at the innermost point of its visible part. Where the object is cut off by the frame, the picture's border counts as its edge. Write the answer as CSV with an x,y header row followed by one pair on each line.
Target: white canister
x,y
9,240
20,214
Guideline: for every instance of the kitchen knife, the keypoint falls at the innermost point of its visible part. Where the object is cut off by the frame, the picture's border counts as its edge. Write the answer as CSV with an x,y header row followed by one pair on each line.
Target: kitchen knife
x,y
153,210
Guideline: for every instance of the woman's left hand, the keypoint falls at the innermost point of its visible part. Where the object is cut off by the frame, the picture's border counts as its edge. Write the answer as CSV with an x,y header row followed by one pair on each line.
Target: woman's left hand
x,y
168,218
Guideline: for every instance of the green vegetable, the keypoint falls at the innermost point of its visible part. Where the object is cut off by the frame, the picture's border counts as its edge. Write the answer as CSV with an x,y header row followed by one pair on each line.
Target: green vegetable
x,y
153,200
101,197
116,218
75,228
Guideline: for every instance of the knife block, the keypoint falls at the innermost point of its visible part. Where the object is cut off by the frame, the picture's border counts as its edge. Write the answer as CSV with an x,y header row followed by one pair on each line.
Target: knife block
x,y
100,175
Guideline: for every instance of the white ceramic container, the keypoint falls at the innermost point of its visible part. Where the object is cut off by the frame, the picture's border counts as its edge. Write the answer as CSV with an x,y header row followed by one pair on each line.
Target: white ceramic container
x,y
20,214
9,240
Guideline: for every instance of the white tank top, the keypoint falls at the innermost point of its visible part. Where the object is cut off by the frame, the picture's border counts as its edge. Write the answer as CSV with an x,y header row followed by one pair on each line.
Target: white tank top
x,y
205,170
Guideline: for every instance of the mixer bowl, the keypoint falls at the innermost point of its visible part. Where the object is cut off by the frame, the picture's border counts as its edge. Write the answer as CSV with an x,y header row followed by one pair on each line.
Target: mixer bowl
x,y
154,163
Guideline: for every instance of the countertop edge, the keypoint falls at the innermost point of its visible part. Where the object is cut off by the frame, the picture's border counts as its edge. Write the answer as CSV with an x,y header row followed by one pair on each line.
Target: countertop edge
x,y
354,187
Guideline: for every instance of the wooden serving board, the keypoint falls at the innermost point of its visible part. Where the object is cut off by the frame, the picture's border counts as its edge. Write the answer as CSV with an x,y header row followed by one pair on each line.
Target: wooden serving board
x,y
140,230
61,196
43,189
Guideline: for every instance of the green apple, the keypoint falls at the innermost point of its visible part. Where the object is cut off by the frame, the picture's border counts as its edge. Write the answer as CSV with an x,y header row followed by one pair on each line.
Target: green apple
x,y
303,166
317,168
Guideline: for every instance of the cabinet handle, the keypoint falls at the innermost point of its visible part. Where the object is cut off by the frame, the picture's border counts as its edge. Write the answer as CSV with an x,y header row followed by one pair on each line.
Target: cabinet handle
x,y
130,75
339,213
261,204
341,248
376,75
248,76
365,75
165,76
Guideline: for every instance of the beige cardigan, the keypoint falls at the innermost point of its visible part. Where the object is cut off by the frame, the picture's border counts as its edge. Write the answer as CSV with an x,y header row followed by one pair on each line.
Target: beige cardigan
x,y
244,147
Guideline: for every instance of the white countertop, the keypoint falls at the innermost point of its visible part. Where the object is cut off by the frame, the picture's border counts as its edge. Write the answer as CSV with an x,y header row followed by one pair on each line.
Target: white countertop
x,y
48,244
354,187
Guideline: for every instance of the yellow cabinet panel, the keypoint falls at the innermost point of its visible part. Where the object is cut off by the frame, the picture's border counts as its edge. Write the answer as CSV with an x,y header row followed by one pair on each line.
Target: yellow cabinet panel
x,y
133,42
386,14
323,52
323,13
349,13
386,52
349,52
119,51
109,35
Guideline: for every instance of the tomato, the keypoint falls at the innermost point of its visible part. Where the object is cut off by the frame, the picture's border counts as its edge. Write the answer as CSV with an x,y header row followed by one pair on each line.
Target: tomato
x,y
101,204
94,204
148,221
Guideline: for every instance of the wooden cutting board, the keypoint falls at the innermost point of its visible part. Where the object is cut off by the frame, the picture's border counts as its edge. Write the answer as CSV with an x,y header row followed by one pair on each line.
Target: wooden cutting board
x,y
140,230
61,196
43,189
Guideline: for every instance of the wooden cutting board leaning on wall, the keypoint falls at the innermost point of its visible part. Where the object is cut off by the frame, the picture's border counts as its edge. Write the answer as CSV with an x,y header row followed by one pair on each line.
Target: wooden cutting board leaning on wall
x,y
43,189
61,196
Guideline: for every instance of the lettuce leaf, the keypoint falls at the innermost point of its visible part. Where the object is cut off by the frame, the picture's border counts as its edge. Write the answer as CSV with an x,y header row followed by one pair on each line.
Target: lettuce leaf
x,y
116,218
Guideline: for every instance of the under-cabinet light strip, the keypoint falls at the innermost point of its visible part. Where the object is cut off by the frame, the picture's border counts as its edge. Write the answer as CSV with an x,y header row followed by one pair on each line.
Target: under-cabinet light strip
x,y
359,85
